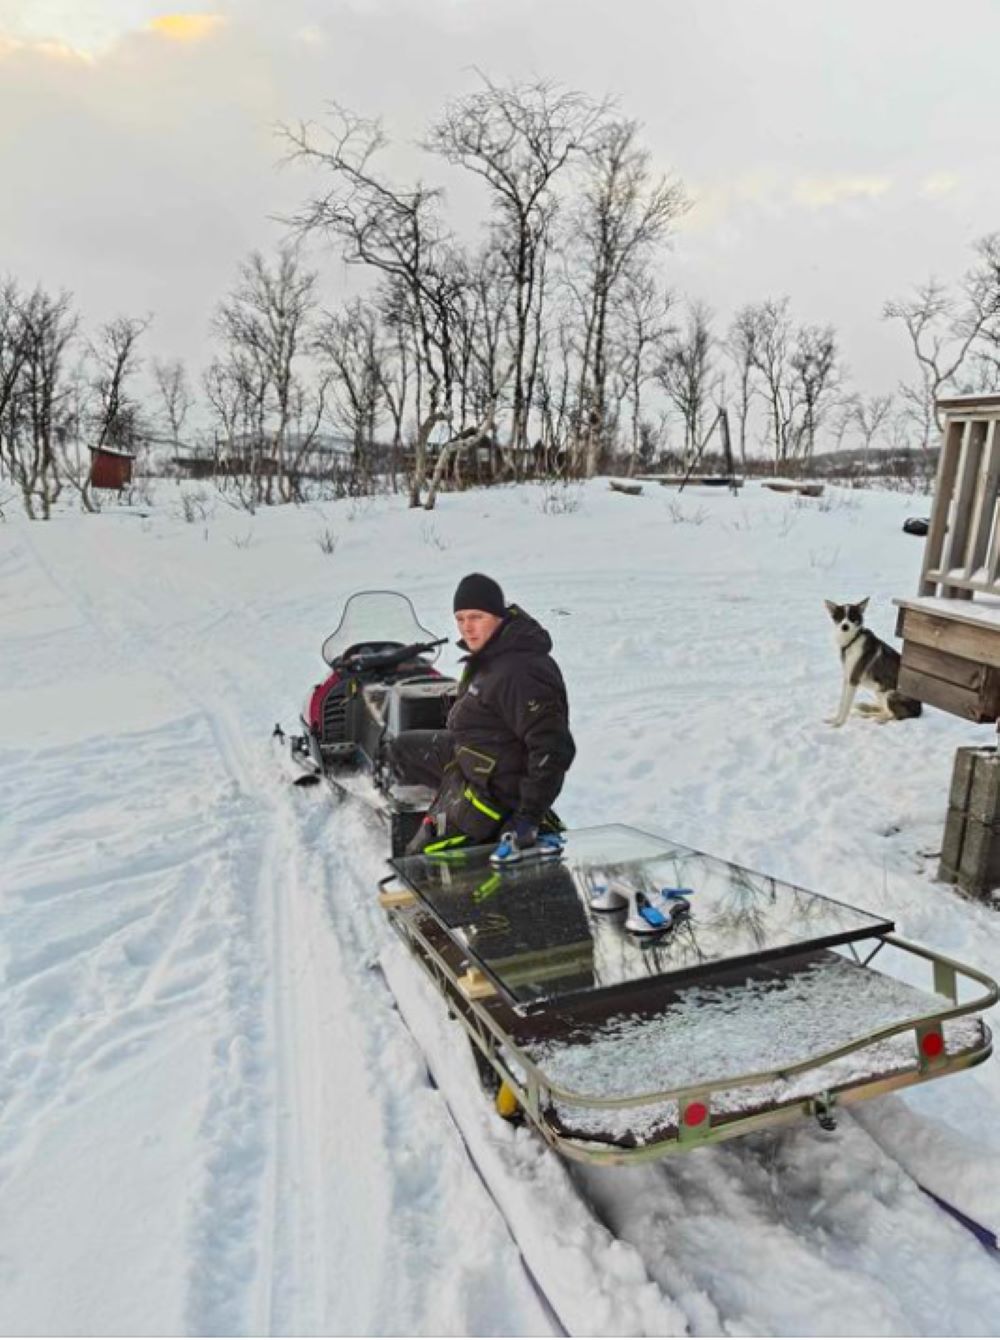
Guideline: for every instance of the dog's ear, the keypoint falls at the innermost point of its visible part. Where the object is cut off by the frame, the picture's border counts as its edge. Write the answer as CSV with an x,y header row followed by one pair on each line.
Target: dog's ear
x,y
833,608
862,604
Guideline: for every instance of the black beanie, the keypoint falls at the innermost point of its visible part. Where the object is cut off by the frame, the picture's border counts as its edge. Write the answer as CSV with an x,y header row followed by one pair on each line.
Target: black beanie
x,y
477,592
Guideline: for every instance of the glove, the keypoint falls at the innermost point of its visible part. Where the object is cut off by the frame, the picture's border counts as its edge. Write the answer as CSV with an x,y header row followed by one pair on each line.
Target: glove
x,y
525,830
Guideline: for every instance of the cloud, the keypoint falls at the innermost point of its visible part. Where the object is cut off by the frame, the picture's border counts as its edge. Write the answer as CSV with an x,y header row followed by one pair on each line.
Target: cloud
x,y
49,50
819,192
312,36
939,183
85,33
769,194
186,27
715,201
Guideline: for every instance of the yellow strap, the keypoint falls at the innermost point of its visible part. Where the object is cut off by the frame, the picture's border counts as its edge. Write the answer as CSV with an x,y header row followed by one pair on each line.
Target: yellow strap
x,y
433,847
473,799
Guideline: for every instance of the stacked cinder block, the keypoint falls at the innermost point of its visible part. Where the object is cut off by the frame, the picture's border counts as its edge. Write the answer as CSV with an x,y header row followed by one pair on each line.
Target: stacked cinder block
x,y
970,852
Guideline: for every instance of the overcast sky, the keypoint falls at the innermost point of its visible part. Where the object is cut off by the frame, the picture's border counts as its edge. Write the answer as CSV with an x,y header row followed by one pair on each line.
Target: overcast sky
x,y
838,151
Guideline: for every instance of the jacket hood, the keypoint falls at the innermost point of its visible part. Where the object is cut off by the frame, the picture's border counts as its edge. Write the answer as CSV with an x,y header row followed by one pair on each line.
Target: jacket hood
x,y
518,635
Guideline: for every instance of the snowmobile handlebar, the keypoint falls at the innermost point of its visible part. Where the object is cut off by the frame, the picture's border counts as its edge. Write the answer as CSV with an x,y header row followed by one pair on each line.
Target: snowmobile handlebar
x,y
385,660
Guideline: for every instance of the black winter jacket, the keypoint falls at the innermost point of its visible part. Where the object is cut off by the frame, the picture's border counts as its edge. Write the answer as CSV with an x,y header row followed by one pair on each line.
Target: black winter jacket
x,y
511,720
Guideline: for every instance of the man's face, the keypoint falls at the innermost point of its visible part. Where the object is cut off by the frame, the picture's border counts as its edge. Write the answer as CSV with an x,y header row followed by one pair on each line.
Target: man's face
x,y
476,627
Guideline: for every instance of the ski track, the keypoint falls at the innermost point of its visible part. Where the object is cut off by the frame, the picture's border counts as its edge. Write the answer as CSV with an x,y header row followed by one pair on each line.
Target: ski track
x,y
239,886
461,1269
260,1237
252,920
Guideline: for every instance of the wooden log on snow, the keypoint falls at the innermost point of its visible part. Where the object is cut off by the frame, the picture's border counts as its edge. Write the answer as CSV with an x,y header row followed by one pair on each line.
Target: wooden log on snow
x,y
790,486
633,490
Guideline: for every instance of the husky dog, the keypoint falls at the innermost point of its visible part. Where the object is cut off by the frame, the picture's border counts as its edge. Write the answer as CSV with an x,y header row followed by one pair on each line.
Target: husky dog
x,y
868,663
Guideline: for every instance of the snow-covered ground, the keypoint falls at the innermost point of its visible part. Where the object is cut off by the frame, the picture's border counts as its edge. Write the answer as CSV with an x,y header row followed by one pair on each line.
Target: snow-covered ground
x,y
213,1115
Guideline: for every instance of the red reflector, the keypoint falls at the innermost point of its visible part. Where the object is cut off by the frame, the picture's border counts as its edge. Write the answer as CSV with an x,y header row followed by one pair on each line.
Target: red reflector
x,y
932,1044
695,1114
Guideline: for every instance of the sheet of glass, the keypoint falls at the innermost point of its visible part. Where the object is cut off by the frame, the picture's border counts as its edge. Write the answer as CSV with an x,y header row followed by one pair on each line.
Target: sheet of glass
x,y
533,930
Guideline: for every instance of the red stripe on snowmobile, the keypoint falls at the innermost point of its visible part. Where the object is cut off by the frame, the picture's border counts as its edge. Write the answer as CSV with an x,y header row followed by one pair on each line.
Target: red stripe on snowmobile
x,y
314,712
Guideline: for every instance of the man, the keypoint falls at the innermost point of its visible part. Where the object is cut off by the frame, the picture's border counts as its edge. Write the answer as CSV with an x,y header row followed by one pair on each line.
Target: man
x,y
501,763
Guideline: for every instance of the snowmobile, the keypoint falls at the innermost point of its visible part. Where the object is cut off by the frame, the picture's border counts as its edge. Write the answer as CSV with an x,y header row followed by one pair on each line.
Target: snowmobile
x,y
381,681
634,997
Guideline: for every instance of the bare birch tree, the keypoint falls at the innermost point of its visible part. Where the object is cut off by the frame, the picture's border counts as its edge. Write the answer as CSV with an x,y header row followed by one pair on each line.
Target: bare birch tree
x,y
623,213
171,380
397,365
395,231
772,338
643,325
13,351
814,364
236,392
268,319
987,347
943,327
688,375
116,358
871,416
740,345
518,139
37,408
350,344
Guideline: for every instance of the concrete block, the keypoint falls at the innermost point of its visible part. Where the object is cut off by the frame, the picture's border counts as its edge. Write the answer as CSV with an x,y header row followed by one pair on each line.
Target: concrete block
x,y
970,848
961,777
951,844
984,794
979,868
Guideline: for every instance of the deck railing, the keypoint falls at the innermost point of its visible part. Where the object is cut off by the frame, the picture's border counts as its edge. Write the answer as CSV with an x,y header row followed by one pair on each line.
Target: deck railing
x,y
962,553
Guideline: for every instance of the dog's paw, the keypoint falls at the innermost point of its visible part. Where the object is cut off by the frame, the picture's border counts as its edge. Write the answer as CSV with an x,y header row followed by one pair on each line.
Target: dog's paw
x,y
833,721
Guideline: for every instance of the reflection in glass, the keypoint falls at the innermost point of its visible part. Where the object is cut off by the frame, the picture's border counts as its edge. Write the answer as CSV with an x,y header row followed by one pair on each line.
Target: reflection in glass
x,y
532,929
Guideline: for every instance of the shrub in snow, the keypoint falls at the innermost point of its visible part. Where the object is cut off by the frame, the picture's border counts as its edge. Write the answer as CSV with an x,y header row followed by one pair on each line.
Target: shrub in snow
x,y
429,535
560,496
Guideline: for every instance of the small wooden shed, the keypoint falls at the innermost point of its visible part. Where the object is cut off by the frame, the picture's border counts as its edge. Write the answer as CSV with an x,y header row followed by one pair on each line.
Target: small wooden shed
x,y
110,468
951,630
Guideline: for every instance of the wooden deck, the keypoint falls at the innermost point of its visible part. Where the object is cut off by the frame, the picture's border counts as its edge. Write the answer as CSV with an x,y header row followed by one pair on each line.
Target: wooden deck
x,y
951,655
951,631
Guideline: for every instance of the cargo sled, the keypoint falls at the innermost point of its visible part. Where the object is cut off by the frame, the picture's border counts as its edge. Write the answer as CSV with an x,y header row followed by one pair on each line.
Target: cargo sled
x,y
759,1005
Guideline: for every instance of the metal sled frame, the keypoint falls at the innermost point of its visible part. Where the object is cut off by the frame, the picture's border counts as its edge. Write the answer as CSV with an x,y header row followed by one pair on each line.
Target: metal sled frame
x,y
469,996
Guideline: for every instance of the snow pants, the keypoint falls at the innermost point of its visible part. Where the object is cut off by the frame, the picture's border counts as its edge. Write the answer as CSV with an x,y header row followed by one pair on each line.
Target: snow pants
x,y
459,809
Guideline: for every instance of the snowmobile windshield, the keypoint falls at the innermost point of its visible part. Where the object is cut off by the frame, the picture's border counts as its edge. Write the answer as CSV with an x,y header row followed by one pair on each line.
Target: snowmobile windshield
x,y
377,619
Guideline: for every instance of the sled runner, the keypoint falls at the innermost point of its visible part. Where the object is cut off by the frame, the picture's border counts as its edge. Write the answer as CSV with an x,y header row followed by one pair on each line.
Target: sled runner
x,y
756,1005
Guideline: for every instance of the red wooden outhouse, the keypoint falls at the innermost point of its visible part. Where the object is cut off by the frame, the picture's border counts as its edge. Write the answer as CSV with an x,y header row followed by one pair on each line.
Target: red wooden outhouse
x,y
110,468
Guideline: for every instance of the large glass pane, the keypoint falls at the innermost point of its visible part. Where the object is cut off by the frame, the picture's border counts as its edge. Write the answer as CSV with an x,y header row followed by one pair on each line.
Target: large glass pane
x,y
532,928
